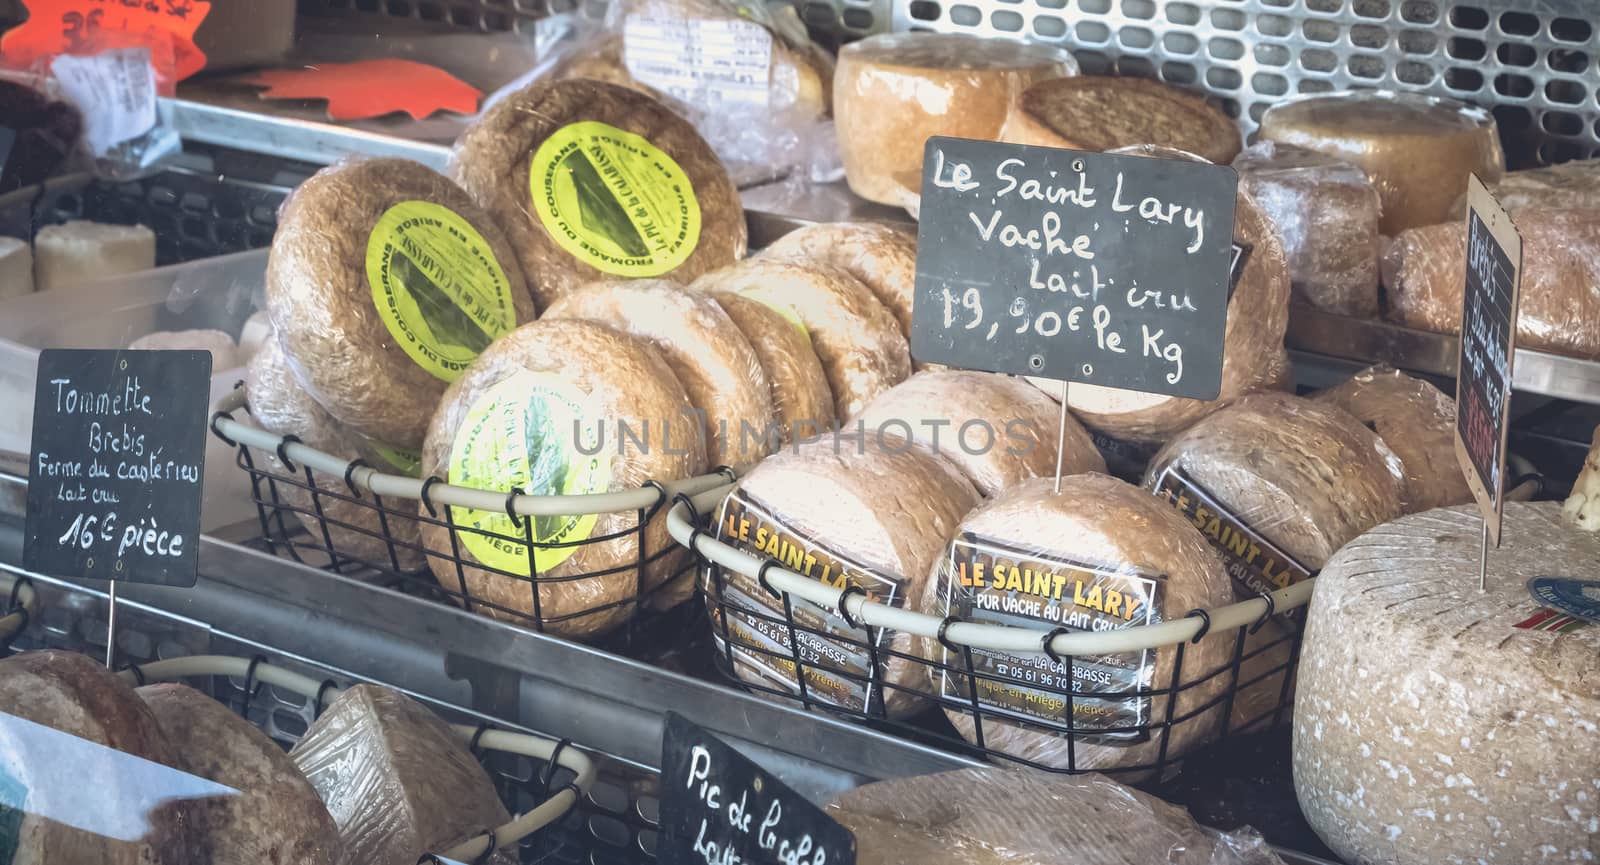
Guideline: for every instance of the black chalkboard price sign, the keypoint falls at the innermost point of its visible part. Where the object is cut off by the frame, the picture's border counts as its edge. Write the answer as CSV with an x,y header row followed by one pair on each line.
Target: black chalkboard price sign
x,y
1488,342
719,808
1107,269
117,462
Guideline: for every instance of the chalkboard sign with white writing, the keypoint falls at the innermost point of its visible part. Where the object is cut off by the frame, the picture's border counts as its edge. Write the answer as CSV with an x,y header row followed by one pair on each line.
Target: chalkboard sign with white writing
x,y
1113,270
1488,340
118,457
719,808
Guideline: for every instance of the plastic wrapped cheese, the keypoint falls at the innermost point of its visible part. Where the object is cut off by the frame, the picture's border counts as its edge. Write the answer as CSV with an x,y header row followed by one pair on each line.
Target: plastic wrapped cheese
x,y
16,268
1099,555
710,356
893,91
996,429
1418,422
864,511
882,256
560,407
396,780
802,403
1424,271
80,251
1326,213
1438,723
1569,186
1096,112
1417,149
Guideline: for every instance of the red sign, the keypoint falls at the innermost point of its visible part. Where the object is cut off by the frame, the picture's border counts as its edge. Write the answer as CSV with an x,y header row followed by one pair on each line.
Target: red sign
x,y
55,27
372,88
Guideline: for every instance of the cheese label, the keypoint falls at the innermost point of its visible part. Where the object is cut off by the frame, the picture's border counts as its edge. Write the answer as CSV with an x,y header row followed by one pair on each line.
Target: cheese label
x,y
437,286
614,201
1574,599
992,583
406,462
750,627
1255,563
527,432
707,62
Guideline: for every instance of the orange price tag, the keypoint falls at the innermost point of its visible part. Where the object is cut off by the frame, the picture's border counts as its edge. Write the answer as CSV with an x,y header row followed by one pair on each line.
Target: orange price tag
x,y
372,88
85,26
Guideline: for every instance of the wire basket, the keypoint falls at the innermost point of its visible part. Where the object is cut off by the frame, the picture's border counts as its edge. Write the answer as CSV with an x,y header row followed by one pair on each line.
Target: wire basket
x,y
347,517
1055,700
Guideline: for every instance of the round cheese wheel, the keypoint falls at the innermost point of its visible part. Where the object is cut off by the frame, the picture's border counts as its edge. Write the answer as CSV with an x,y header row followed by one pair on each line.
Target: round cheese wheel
x,y
996,429
1417,149
384,281
559,407
225,354
893,91
1439,723
858,341
1326,213
277,817
858,513
1096,112
1253,357
70,693
355,529
710,356
1418,422
593,181
1571,185
800,393
882,256
1100,544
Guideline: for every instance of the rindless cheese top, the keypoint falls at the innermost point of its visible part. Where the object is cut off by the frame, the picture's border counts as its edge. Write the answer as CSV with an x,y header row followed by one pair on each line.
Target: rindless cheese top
x,y
957,51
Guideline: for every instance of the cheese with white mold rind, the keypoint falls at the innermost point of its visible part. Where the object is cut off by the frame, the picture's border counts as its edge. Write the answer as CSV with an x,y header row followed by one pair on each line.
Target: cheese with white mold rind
x,y
80,251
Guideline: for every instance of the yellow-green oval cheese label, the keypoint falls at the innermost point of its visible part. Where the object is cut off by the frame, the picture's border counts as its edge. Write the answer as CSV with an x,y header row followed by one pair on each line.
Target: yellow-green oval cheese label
x,y
437,286
406,462
613,201
525,432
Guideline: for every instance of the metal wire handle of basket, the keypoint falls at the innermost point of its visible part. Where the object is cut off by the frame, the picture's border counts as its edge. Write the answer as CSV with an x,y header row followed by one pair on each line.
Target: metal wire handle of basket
x,y
474,849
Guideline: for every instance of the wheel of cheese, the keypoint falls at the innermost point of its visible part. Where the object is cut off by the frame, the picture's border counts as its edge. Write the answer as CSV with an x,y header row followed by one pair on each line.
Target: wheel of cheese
x,y
1326,213
856,338
396,781
1571,185
869,512
709,355
1582,507
1253,357
1424,271
893,91
1096,112
800,393
1436,722
593,181
1418,422
882,256
998,430
1141,549
384,281
224,352
559,407
80,251
1417,149
68,692
277,817
355,529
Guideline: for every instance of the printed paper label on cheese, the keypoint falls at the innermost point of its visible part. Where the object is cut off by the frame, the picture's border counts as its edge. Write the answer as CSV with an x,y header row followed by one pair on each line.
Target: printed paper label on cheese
x,y
406,462
529,432
837,671
996,584
614,201
1255,563
437,286
718,63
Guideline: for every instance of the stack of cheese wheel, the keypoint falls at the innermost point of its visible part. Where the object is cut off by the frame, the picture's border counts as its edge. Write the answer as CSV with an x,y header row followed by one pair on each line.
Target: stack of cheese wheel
x,y
1121,558
893,91
802,403
593,181
1093,112
996,429
1437,721
882,256
857,339
559,407
855,514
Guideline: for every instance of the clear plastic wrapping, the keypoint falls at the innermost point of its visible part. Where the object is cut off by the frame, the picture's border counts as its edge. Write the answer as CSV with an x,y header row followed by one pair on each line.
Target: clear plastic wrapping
x,y
995,816
1098,112
865,511
1326,213
395,780
560,407
1569,186
881,255
1100,554
1417,149
1424,271
893,91
710,356
1418,422
800,391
